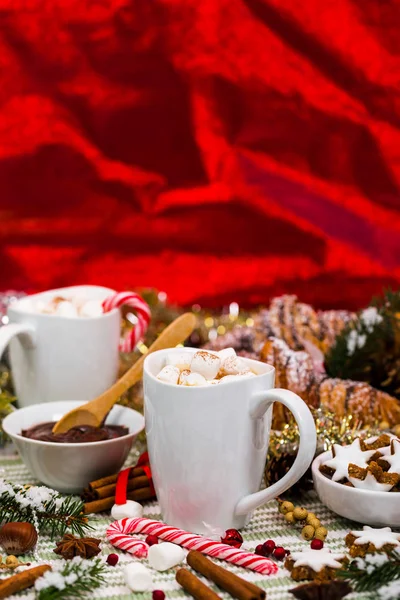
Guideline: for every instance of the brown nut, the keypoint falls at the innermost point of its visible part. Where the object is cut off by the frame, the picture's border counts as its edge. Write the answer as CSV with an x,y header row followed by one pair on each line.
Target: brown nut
x,y
18,538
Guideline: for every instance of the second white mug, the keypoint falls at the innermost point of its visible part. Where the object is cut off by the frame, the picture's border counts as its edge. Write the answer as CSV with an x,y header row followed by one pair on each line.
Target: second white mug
x,y
58,358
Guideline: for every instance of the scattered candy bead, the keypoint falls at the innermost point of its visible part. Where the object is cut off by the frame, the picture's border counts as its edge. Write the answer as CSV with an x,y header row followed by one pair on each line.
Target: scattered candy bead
x,y
310,517
289,517
279,553
321,533
269,546
260,550
310,524
308,532
12,561
151,540
158,595
286,507
112,559
300,514
233,538
317,544
315,523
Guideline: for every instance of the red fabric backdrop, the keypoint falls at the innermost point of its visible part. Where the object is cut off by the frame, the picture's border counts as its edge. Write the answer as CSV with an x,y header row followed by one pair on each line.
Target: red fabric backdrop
x,y
216,149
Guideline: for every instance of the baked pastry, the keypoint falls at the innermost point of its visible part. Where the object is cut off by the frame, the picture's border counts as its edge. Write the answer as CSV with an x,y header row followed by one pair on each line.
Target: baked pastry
x,y
373,478
337,467
296,322
295,371
366,464
370,541
314,564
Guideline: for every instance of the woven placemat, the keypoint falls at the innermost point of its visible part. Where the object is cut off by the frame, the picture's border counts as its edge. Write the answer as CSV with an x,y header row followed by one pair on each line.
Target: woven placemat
x,y
266,524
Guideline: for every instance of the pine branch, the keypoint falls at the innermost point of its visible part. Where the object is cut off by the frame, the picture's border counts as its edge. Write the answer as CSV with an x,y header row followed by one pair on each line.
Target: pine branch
x,y
74,579
368,348
372,572
46,509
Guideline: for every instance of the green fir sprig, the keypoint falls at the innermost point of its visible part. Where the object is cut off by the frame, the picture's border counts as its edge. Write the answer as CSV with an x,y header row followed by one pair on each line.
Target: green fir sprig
x,y
72,579
371,573
368,348
46,509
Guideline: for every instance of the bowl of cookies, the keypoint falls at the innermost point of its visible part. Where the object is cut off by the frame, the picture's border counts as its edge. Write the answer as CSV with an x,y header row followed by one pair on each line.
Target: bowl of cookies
x,y
361,481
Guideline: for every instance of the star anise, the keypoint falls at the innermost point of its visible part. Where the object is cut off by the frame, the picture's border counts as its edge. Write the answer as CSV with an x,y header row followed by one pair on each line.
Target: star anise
x,y
71,546
322,590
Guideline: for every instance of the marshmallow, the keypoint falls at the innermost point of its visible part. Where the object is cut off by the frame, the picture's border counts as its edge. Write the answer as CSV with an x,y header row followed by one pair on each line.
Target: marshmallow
x,y
129,509
169,374
191,379
229,378
234,365
205,364
164,556
226,353
91,308
138,577
181,360
65,309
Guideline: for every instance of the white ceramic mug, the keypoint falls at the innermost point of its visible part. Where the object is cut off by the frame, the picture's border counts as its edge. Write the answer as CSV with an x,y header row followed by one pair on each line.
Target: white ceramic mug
x,y
57,358
208,445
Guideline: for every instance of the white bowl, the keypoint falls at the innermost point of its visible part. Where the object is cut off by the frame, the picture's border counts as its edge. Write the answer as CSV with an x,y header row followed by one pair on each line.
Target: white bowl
x,y
68,468
381,509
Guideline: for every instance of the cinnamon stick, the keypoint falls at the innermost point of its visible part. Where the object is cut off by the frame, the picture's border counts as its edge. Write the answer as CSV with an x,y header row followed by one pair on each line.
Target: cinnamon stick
x,y
21,581
109,490
194,586
99,483
103,504
231,583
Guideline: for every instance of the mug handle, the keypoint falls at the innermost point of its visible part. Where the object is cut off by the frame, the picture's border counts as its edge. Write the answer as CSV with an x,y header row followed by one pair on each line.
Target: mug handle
x,y
259,404
25,332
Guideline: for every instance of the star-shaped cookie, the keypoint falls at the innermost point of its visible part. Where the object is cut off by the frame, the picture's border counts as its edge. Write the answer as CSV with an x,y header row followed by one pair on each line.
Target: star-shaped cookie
x,y
317,559
345,455
394,458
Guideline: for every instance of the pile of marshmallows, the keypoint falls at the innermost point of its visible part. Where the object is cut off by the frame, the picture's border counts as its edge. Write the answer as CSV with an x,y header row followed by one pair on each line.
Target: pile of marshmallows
x,y
76,306
203,368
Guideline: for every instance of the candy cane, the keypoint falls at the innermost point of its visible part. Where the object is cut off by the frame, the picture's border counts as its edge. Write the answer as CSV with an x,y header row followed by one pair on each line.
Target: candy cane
x,y
118,538
118,532
142,312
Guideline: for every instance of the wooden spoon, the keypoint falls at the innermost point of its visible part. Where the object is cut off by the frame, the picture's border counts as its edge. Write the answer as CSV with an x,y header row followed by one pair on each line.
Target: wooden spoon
x,y
94,412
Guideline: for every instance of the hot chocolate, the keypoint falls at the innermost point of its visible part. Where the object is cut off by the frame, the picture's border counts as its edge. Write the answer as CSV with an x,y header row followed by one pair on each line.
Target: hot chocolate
x,y
83,433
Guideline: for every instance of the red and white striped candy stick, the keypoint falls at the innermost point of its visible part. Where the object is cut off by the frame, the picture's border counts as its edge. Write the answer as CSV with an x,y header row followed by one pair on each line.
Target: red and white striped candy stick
x,y
190,541
117,537
142,312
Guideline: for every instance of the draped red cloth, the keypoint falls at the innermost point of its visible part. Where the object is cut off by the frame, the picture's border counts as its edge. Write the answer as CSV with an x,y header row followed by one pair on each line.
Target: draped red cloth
x,y
215,149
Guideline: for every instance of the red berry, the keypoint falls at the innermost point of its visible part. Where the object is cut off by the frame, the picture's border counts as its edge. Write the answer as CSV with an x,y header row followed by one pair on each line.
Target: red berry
x,y
112,559
158,595
151,540
279,553
317,545
269,546
260,550
233,538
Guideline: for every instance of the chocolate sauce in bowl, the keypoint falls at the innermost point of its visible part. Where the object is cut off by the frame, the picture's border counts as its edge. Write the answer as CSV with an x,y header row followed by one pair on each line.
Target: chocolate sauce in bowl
x,y
81,434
